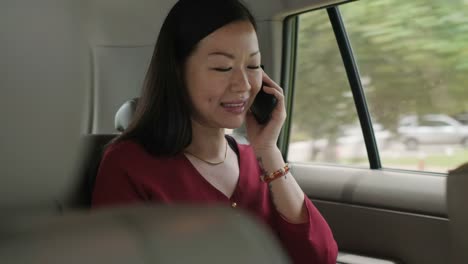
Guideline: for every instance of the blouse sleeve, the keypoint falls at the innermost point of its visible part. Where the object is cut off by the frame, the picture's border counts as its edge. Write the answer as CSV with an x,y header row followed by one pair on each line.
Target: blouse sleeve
x,y
113,185
310,242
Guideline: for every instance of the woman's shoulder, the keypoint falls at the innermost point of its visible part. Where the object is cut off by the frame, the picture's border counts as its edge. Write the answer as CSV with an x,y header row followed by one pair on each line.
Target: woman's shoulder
x,y
130,151
244,149
126,151
124,147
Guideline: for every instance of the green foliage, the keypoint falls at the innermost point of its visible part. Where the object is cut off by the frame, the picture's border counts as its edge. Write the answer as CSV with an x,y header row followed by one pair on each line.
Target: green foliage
x,y
412,57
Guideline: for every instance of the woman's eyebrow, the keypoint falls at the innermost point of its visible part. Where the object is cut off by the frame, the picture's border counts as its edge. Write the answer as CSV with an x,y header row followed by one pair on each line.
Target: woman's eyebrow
x,y
229,55
254,53
221,53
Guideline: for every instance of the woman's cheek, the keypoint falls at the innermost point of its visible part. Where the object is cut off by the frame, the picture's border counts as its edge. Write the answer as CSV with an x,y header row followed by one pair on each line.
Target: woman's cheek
x,y
256,82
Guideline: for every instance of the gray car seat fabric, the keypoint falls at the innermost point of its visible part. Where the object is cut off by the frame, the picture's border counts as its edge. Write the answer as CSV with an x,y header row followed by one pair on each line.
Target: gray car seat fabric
x,y
94,146
457,199
143,234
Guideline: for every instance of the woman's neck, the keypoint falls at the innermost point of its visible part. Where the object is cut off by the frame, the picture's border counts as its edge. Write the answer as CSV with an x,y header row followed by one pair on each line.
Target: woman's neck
x,y
207,143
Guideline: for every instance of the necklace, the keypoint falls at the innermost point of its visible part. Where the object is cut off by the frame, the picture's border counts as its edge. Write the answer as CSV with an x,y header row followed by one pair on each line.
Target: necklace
x,y
209,162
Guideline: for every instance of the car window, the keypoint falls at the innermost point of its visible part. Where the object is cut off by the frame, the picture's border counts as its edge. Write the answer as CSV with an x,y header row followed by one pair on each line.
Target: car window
x,y
325,125
412,63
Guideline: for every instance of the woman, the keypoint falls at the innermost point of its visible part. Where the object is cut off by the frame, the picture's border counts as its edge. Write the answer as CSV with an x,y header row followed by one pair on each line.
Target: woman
x,y
203,77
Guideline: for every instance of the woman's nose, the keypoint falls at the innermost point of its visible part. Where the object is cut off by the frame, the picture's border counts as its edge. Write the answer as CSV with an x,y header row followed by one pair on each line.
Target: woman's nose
x,y
240,81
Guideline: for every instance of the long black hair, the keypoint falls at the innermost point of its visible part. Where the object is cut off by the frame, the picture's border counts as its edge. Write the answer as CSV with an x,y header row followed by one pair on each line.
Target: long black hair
x,y
162,122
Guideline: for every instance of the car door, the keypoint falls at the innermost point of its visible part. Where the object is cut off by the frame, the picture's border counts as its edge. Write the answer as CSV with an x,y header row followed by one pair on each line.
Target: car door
x,y
350,62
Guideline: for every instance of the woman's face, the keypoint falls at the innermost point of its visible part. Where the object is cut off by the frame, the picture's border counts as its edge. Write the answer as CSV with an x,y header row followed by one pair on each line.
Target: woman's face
x,y
223,75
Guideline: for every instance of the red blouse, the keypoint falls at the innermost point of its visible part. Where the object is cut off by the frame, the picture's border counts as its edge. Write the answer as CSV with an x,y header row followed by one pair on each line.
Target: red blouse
x,y
129,174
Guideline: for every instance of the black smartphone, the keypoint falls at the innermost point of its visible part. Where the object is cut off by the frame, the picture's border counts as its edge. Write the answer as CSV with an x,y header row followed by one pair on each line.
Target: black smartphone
x,y
263,106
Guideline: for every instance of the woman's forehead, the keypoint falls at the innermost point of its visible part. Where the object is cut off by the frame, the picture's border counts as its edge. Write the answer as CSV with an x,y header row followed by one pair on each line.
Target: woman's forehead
x,y
236,37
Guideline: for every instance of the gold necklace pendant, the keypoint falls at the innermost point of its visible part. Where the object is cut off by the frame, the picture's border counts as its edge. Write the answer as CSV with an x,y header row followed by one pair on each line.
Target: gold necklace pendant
x,y
209,162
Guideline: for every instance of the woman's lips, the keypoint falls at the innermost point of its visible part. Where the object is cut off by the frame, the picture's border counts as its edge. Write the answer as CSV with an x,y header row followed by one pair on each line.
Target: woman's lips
x,y
235,107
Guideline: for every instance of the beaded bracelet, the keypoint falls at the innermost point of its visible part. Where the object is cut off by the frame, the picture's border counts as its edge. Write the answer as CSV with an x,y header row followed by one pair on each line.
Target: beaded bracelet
x,y
269,177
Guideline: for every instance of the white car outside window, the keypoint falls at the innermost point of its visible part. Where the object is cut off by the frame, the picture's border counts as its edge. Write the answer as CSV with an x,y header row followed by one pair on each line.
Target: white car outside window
x,y
432,129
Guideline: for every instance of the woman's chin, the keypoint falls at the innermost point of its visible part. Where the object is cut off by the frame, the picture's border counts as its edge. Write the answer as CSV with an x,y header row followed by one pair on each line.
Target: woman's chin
x,y
233,124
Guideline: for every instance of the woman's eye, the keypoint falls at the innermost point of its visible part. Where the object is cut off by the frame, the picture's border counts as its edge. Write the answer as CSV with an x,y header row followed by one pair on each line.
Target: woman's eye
x,y
223,69
254,67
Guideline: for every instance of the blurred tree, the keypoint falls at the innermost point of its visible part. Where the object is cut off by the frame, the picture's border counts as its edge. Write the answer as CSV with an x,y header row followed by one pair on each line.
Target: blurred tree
x,y
412,56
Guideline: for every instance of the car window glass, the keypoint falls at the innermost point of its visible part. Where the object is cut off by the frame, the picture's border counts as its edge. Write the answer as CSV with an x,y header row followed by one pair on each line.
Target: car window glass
x,y
325,126
413,61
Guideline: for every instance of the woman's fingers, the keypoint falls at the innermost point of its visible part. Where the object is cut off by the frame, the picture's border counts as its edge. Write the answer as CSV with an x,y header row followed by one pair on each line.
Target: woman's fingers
x,y
271,87
277,93
280,110
269,82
